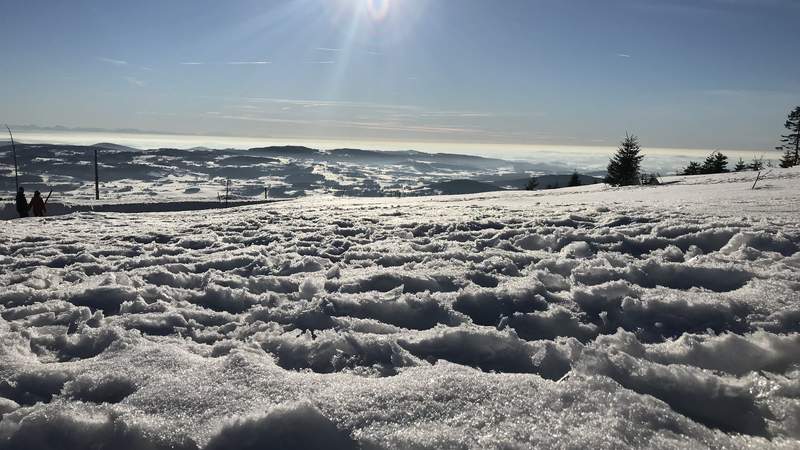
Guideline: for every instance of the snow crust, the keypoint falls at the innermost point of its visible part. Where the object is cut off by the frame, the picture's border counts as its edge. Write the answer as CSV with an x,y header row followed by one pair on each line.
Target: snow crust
x,y
663,317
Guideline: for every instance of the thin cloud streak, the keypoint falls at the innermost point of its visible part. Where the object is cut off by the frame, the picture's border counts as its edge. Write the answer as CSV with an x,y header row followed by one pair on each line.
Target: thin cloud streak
x,y
116,62
339,50
399,111
324,103
382,126
227,63
135,81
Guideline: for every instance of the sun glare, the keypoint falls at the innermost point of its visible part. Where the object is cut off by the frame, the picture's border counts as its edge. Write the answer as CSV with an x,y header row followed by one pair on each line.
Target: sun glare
x,y
378,9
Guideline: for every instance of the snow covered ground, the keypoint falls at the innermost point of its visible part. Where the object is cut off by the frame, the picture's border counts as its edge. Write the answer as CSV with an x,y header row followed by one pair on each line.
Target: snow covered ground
x,y
592,317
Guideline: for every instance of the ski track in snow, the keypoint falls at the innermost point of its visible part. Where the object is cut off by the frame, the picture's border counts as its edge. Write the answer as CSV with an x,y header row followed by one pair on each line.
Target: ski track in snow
x,y
665,317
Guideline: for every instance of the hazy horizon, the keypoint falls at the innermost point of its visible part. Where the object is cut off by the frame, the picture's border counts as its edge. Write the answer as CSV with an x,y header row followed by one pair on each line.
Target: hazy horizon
x,y
582,158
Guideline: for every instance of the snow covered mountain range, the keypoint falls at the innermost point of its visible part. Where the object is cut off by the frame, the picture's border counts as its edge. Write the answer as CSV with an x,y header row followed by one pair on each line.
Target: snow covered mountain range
x,y
201,174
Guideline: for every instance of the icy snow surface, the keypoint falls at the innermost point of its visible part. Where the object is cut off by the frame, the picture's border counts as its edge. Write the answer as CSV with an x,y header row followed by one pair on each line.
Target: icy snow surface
x,y
661,317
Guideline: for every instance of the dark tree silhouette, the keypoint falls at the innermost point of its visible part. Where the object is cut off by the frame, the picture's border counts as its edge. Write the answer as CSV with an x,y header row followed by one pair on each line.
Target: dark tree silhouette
x,y
715,163
649,179
623,169
694,168
574,180
757,164
740,165
790,143
532,184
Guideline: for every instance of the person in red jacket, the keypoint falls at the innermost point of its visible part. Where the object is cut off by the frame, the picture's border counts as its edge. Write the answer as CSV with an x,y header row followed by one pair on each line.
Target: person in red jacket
x,y
37,205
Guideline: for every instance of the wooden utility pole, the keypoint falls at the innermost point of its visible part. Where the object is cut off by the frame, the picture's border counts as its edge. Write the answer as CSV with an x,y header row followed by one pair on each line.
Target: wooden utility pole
x,y
14,152
96,178
227,190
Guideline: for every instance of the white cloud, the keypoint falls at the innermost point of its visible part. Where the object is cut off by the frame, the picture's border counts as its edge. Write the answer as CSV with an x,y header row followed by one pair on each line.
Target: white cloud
x,y
227,63
116,62
364,125
245,63
338,50
135,81
307,103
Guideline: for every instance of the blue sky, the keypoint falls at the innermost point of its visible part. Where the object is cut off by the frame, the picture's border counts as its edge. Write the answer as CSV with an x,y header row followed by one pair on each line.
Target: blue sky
x,y
679,73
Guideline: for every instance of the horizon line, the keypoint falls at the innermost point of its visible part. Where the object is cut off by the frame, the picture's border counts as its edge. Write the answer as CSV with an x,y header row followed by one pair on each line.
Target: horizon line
x,y
334,143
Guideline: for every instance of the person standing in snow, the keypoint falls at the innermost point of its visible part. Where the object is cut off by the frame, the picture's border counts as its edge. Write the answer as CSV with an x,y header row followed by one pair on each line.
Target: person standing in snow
x,y
37,205
22,203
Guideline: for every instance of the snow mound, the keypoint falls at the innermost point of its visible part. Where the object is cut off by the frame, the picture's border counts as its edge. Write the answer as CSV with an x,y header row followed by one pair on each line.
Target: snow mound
x,y
659,317
293,427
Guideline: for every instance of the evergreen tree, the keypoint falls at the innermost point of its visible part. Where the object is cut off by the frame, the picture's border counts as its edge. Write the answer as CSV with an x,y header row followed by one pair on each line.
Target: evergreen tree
x,y
575,179
757,164
623,169
649,179
789,159
715,163
532,184
790,143
740,165
693,168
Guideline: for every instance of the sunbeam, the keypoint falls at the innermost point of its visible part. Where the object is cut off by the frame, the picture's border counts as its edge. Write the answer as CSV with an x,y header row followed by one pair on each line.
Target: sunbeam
x,y
378,9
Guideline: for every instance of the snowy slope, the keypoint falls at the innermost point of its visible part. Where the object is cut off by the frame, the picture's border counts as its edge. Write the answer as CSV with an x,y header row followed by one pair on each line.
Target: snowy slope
x,y
591,317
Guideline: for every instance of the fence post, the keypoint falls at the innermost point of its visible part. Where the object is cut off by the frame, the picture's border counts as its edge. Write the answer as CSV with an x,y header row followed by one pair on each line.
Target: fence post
x,y
14,151
227,190
96,177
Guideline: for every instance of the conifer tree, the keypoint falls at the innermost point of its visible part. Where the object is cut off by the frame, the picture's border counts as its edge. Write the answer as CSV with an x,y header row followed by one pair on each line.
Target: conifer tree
x,y
694,168
740,165
574,180
790,143
532,184
624,167
789,159
715,163
757,164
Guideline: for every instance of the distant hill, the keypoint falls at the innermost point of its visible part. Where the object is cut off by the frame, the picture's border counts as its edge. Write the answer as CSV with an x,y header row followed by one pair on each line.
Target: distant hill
x,y
457,187
287,151
279,172
110,146
544,181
